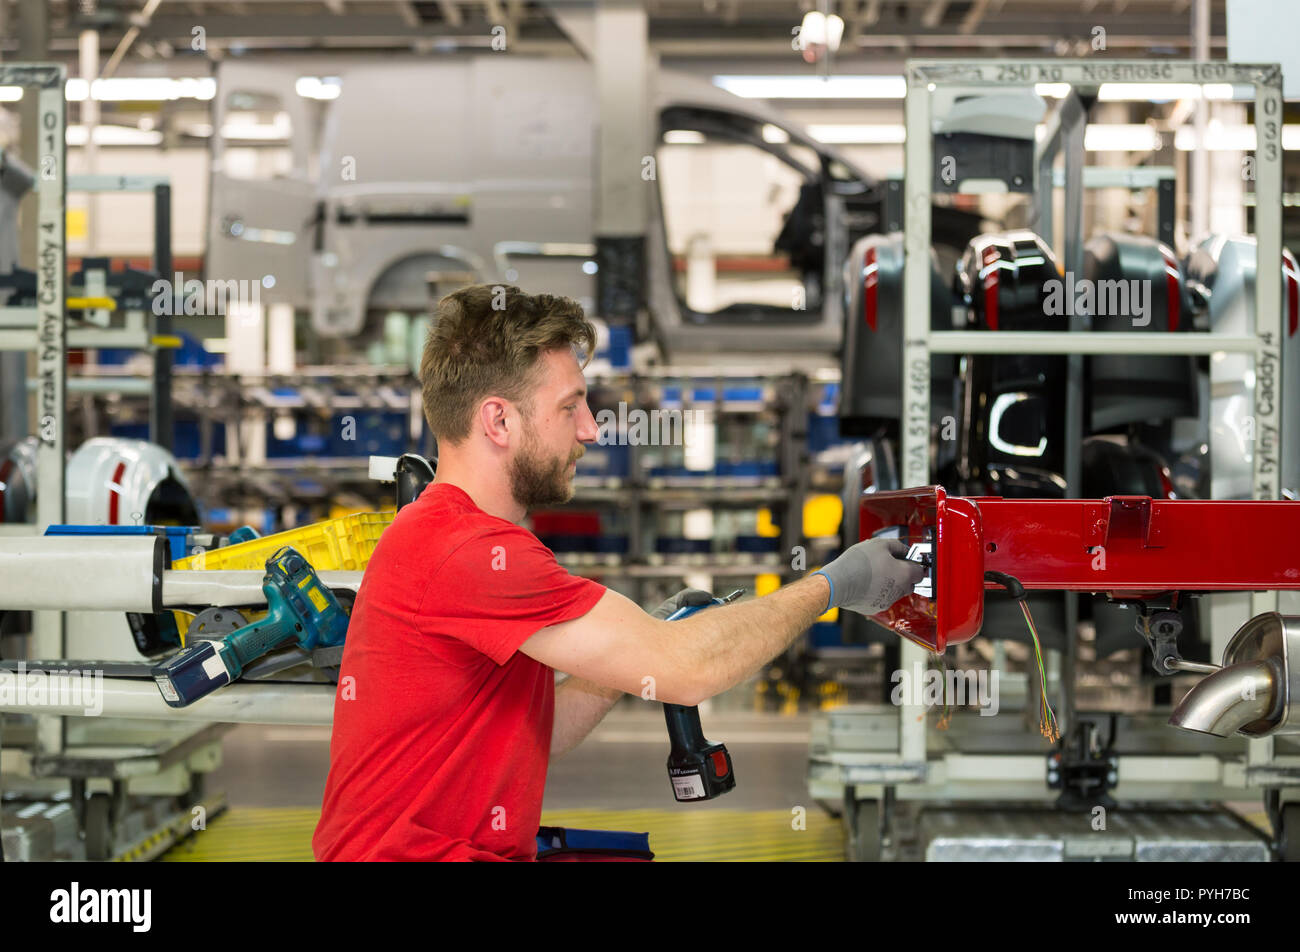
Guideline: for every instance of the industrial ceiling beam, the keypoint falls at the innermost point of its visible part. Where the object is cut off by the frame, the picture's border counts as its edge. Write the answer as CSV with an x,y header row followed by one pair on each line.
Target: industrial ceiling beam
x,y
451,12
406,10
933,14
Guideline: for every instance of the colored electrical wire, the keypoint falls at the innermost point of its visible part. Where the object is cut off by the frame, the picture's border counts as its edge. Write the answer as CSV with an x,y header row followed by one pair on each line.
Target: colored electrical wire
x,y
1047,723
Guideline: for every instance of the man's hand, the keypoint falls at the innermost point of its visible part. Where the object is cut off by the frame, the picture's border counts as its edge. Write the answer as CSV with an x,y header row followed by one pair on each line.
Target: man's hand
x,y
687,596
870,576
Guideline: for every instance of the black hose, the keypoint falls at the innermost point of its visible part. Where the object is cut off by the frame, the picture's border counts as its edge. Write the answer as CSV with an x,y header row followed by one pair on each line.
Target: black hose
x,y
1015,591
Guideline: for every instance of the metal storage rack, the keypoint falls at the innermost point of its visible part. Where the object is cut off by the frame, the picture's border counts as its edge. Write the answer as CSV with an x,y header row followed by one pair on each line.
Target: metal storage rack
x,y
876,757
118,753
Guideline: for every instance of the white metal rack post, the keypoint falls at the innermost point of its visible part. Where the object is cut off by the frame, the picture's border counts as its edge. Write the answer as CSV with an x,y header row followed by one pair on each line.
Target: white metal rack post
x,y
45,331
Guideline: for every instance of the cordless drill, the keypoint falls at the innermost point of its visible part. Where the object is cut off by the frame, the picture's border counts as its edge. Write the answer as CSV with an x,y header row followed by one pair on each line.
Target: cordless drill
x,y
698,769
300,609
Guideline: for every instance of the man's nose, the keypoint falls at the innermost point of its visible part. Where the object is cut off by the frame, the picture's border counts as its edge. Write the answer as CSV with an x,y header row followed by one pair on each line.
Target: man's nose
x,y
588,431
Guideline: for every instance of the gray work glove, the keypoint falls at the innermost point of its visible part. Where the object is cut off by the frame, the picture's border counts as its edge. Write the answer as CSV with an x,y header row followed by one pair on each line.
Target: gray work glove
x,y
687,596
870,576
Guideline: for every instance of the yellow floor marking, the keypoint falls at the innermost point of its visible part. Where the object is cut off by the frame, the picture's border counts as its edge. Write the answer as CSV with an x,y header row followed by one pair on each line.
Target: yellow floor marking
x,y
283,834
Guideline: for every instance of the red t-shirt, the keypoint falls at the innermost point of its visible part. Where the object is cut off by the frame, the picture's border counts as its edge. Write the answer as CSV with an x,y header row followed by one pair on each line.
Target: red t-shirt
x,y
442,728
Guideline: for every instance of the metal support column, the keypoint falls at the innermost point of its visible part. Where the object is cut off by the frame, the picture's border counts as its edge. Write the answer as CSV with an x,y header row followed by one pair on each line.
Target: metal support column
x,y
161,430
915,431
1073,120
1267,451
48,336
621,52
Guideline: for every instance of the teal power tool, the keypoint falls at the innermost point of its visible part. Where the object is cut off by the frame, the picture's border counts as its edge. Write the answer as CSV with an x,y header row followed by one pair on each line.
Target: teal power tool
x,y
301,610
697,768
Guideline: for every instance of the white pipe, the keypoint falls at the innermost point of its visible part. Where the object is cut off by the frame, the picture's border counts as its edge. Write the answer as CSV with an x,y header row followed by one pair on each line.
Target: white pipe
x,y
121,573
271,703
242,587
61,573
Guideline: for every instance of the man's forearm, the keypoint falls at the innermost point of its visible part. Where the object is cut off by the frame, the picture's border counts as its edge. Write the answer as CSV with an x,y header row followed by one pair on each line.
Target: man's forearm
x,y
579,707
732,642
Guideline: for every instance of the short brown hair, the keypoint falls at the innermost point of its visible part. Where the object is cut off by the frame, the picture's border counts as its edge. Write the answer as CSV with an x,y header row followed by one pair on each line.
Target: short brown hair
x,y
485,341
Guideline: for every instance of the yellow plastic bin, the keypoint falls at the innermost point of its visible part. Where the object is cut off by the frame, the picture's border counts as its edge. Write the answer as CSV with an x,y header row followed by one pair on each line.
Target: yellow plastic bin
x,y
343,544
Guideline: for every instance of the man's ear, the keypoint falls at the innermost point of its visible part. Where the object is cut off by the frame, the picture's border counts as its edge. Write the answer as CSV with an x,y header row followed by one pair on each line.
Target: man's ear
x,y
492,416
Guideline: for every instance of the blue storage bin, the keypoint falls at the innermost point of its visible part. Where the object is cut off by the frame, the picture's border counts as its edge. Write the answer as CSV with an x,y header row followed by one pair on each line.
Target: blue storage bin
x,y
608,461
611,544
377,433
192,353
620,347
185,437
826,634
823,432
675,545
569,543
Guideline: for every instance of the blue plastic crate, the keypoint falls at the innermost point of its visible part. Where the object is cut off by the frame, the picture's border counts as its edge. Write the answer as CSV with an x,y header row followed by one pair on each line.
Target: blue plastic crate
x,y
620,348
823,432
612,544
675,545
377,433
826,634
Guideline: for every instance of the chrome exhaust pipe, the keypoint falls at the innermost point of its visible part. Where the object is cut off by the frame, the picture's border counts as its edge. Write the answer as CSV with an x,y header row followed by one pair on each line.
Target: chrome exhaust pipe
x,y
1254,692
1231,698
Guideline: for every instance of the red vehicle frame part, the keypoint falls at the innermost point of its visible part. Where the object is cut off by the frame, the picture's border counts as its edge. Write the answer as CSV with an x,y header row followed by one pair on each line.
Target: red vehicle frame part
x,y
1126,546
952,525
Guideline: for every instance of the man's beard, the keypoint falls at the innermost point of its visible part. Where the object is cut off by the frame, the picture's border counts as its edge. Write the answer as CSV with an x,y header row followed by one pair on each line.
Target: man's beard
x,y
537,481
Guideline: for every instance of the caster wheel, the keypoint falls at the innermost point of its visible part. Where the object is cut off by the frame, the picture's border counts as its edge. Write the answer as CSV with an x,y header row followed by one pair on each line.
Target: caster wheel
x,y
862,829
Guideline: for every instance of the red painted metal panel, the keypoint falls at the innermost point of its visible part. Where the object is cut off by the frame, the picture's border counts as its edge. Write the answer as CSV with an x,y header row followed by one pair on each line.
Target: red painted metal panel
x,y
1127,546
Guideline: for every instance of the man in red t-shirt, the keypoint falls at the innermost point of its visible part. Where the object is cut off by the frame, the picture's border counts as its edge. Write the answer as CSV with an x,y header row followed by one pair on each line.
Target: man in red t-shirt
x,y
447,711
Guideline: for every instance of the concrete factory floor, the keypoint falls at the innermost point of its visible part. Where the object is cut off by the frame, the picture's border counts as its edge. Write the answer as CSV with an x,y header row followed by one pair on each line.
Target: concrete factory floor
x,y
620,766
274,777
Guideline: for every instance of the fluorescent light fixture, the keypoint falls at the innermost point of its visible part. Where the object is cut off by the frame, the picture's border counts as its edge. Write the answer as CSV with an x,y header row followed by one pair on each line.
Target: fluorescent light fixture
x,y
1162,92
11,93
776,134
113,135
1221,138
814,87
1052,90
858,134
141,89
318,87
683,137
1120,138
246,126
